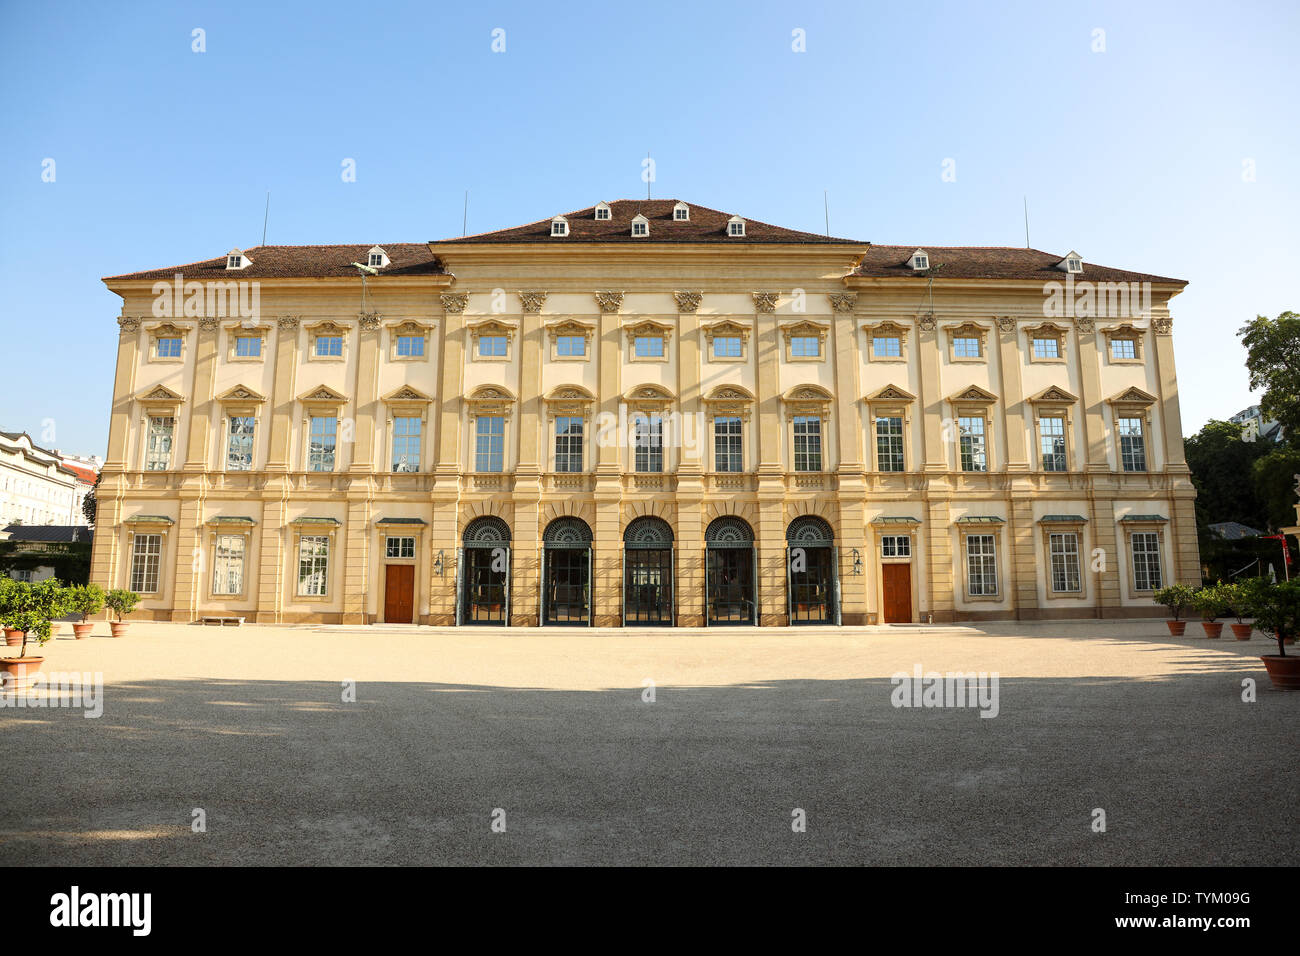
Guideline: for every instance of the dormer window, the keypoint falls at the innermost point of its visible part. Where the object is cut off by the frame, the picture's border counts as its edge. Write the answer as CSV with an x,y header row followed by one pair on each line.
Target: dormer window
x,y
640,226
920,260
681,212
736,227
603,212
1073,262
559,226
235,259
377,258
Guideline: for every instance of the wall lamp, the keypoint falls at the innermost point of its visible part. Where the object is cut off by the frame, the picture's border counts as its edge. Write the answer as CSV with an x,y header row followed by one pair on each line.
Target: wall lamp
x,y
857,561
437,564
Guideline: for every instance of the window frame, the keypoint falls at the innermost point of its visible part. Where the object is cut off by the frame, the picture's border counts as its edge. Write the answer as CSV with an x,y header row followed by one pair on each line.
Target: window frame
x,y
217,538
136,580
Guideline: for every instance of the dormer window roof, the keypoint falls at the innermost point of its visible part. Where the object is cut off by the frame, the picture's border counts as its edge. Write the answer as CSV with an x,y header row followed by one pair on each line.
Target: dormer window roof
x,y
640,226
1073,262
376,257
681,212
736,227
920,260
235,259
603,212
559,226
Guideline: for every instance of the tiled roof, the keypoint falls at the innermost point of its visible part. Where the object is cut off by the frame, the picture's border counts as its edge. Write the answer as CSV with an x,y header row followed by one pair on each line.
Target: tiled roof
x,y
988,262
704,225
56,533
298,262
1234,530
83,474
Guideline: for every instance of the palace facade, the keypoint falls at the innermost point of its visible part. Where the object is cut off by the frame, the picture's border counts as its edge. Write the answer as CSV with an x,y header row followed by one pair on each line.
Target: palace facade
x,y
644,412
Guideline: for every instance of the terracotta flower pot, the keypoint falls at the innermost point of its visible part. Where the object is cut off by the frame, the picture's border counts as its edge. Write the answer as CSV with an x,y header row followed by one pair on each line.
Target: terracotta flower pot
x,y
1176,628
118,628
1212,628
82,629
1284,672
23,670
13,637
1241,631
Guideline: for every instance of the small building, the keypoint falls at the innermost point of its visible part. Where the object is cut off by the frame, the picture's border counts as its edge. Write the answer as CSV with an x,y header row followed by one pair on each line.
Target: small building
x,y
24,549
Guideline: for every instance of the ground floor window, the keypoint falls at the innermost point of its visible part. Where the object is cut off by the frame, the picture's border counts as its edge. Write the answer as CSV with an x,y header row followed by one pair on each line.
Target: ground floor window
x,y
1064,552
313,564
228,564
981,565
146,556
1146,561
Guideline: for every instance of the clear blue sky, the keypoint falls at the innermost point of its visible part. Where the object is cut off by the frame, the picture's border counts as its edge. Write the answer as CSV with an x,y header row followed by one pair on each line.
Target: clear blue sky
x,y
1133,156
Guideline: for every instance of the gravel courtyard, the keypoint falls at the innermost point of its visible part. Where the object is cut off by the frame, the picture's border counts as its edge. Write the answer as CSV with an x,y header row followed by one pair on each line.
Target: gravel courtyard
x,y
552,729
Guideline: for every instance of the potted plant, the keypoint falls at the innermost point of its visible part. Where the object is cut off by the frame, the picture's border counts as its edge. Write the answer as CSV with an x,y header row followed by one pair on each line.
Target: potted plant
x,y
44,602
85,599
1176,597
1212,604
1277,612
12,600
1239,596
121,602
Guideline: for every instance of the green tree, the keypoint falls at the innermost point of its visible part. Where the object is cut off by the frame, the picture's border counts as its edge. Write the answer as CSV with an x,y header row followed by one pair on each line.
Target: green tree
x,y
1221,461
1272,347
1274,480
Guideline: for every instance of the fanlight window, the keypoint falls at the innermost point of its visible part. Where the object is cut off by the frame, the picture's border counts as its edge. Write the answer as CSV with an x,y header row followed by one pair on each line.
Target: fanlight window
x,y
487,531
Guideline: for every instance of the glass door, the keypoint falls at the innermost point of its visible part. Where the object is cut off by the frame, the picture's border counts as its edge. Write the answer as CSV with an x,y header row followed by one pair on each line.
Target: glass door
x,y
647,586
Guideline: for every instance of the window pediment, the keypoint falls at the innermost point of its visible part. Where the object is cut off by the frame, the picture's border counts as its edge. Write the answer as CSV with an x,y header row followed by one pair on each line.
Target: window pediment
x,y
490,400
726,328
569,400
406,395
326,327
160,396
492,327
323,398
974,395
730,400
241,395
570,327
807,400
1054,396
805,328
968,330
890,394
647,327
649,398
1134,397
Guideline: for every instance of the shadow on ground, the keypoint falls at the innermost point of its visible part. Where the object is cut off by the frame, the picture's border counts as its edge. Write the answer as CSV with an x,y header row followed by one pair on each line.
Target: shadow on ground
x,y
287,773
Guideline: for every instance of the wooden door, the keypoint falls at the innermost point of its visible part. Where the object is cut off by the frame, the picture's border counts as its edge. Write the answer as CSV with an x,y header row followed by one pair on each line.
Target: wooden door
x,y
399,594
897,581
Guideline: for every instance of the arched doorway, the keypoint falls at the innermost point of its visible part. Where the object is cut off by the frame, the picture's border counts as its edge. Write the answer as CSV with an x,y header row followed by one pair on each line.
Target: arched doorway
x,y
566,572
483,572
730,596
648,572
812,572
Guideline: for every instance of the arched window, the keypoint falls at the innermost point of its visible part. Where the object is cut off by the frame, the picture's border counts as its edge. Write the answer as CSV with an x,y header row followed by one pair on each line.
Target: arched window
x,y
648,532
809,530
573,532
487,532
729,531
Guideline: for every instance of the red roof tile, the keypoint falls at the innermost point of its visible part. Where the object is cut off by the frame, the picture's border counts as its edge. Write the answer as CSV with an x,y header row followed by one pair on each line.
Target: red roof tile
x,y
988,262
289,262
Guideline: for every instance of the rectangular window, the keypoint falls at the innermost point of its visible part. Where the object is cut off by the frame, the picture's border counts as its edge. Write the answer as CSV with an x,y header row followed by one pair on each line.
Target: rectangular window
x,y
648,443
492,346
169,347
320,447
726,346
313,565
1146,561
896,546
972,448
1064,552
887,346
410,346
248,346
889,444
568,346
1132,445
489,443
649,346
228,564
568,443
1123,348
805,346
728,453
406,444
400,547
146,556
239,443
158,452
1047,348
964,347
1051,443
807,443
981,565
328,346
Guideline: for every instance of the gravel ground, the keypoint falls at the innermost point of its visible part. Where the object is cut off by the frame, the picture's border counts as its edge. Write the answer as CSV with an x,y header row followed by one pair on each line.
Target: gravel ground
x,y
746,726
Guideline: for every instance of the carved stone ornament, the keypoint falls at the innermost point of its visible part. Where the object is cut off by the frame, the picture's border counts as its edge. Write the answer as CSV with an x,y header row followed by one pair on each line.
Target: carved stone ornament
x,y
609,301
207,325
1006,323
533,301
369,321
1163,325
765,301
842,301
1085,325
455,302
688,301
288,321
927,323
128,324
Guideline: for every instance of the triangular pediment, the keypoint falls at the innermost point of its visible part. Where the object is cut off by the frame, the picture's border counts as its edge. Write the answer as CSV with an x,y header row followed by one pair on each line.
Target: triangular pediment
x,y
241,393
974,393
161,394
407,394
1055,394
1133,396
891,393
323,393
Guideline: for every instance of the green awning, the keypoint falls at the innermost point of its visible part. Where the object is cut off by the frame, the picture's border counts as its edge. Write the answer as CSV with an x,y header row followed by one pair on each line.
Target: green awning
x,y
148,519
895,519
1062,519
333,521
1143,518
979,519
401,521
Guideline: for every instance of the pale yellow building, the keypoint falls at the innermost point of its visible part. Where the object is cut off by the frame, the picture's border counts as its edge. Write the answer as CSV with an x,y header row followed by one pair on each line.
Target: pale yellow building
x,y
644,412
